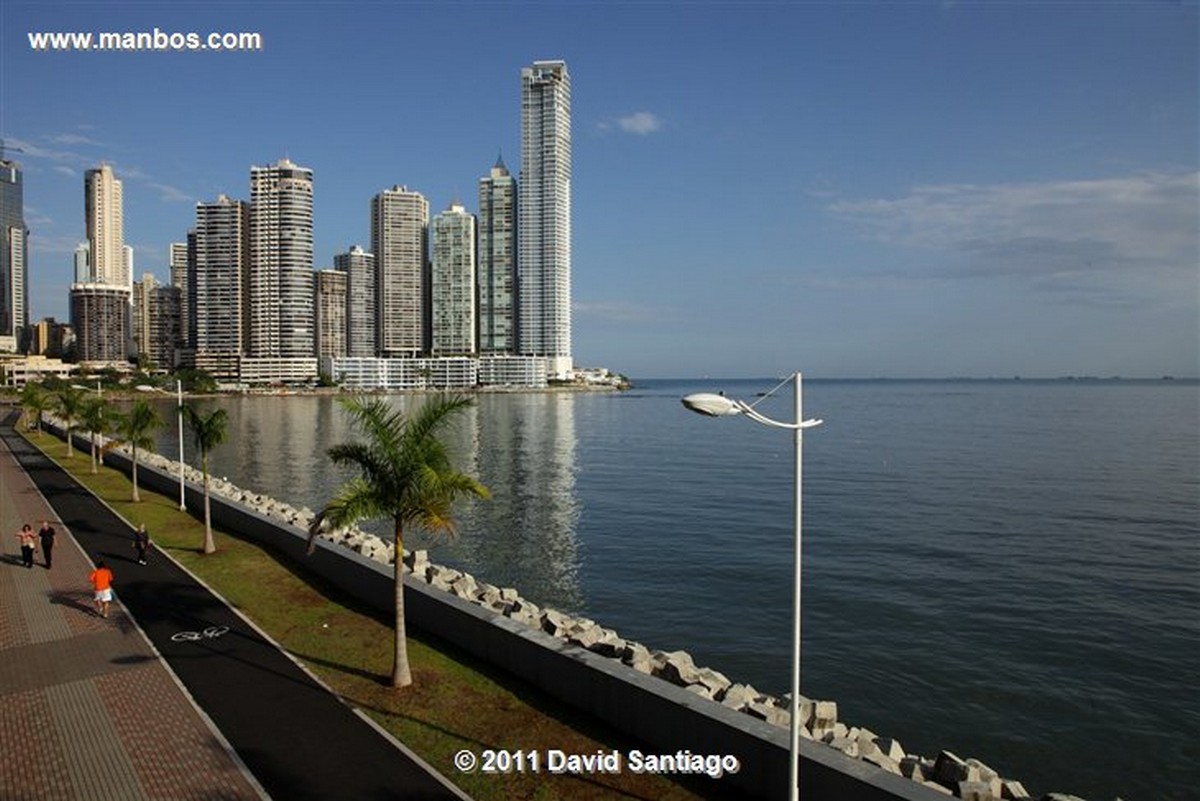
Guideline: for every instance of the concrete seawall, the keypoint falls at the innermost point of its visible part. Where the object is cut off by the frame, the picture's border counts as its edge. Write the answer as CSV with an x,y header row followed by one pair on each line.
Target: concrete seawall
x,y
662,717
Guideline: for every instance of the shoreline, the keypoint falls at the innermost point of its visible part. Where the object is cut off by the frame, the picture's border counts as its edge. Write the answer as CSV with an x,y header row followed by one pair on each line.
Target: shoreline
x,y
947,772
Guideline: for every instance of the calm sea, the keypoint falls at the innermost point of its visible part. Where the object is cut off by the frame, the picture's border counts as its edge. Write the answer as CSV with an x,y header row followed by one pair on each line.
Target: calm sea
x,y
1006,569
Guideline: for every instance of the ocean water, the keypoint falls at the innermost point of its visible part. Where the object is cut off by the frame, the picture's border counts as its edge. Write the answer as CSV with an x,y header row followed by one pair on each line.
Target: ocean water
x,y
1006,569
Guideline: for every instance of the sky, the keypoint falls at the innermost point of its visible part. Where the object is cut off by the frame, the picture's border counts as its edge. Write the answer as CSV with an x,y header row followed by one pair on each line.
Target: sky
x,y
897,189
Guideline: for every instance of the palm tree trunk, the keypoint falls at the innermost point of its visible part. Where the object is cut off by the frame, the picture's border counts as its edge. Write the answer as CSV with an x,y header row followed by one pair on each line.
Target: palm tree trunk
x,y
94,470
136,499
401,675
209,545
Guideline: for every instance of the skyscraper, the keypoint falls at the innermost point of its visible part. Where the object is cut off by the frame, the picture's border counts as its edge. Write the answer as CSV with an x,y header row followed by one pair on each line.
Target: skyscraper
x,y
103,208
359,267
217,286
178,266
101,302
452,283
281,261
399,223
330,305
497,257
544,247
14,254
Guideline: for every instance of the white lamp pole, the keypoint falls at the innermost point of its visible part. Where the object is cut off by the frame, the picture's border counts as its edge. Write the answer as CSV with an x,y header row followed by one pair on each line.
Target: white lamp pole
x,y
179,414
718,406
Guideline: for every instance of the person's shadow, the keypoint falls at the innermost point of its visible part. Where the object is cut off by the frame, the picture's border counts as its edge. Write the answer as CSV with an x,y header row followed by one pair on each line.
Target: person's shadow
x,y
75,600
11,559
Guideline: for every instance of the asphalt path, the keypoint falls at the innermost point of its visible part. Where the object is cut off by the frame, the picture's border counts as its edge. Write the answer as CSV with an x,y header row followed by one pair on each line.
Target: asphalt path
x,y
296,737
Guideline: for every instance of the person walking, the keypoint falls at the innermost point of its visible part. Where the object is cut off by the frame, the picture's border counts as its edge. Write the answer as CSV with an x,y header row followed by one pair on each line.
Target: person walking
x,y
101,580
28,541
141,541
46,535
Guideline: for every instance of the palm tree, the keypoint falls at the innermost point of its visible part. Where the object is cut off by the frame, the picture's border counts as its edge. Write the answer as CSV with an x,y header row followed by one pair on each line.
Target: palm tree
x,y
406,475
208,431
97,415
70,403
35,401
137,428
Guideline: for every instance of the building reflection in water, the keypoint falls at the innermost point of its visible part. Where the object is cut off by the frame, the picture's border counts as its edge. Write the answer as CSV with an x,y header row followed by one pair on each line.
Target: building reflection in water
x,y
522,446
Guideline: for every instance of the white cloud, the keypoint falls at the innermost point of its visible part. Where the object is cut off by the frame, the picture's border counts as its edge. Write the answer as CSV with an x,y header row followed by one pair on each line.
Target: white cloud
x,y
72,139
1145,222
63,169
171,194
641,123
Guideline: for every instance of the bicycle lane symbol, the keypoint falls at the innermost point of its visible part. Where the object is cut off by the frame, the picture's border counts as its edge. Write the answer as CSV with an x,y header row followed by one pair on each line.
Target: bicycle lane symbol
x,y
210,633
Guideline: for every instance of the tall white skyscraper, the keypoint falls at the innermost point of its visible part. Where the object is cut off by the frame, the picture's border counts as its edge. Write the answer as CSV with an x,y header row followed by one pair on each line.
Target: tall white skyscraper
x,y
359,267
497,258
399,227
105,223
14,250
281,261
544,245
452,283
101,302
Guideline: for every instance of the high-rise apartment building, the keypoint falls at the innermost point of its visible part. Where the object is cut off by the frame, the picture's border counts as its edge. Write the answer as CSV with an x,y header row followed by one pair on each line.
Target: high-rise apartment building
x,y
14,256
101,301
178,267
141,315
544,219
359,267
452,283
399,225
100,318
217,284
330,305
108,261
281,261
497,256
156,322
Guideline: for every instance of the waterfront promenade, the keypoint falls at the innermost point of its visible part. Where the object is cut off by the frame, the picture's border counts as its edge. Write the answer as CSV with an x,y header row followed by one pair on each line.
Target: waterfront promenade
x,y
115,708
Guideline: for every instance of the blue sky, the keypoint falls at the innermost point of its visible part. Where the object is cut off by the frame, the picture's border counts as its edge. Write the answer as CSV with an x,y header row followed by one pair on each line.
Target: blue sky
x,y
853,190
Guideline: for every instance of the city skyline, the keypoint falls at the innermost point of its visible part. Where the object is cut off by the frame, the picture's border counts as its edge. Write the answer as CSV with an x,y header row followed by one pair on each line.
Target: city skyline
x,y
922,190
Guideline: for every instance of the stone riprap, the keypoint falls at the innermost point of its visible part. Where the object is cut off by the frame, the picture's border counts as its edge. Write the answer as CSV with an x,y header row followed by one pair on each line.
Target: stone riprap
x,y
968,779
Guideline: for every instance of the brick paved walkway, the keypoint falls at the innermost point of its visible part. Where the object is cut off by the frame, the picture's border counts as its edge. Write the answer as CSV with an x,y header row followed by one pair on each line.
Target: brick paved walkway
x,y
87,709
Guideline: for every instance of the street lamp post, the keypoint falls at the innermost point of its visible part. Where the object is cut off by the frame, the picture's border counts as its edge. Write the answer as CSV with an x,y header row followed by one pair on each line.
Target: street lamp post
x,y
713,405
179,414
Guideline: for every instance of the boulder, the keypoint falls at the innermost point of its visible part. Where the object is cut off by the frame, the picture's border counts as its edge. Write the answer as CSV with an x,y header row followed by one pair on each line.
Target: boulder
x,y
739,696
890,748
949,770
555,623
637,656
976,791
1010,789
768,712
464,587
847,745
609,645
824,718
678,668
882,760
913,767
714,680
